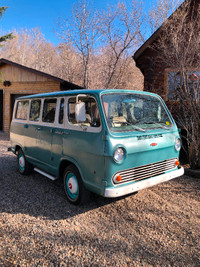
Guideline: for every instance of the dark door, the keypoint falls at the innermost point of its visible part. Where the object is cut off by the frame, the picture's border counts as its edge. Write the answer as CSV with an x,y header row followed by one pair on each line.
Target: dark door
x,y
1,110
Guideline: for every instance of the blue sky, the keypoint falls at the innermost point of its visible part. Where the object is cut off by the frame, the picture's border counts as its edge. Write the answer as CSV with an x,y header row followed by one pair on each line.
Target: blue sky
x,y
43,14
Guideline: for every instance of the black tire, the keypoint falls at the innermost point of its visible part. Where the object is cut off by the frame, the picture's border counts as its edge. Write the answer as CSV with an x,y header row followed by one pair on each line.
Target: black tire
x,y
24,167
74,188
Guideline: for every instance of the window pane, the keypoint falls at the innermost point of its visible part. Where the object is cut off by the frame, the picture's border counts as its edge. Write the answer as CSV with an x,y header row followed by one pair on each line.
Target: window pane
x,y
61,112
89,111
22,110
35,110
176,82
134,112
49,110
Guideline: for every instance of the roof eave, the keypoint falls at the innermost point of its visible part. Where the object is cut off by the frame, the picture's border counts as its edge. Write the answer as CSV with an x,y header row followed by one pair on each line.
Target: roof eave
x,y
49,76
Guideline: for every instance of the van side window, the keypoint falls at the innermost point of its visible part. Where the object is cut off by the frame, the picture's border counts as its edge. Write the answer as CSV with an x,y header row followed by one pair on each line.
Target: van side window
x,y
89,112
61,111
35,110
22,110
49,110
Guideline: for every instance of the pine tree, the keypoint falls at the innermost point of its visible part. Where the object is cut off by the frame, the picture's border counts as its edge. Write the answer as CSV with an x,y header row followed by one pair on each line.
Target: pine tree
x,y
8,36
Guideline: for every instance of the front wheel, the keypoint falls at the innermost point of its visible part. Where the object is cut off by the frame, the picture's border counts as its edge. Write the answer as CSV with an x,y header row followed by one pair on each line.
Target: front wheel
x,y
73,185
23,165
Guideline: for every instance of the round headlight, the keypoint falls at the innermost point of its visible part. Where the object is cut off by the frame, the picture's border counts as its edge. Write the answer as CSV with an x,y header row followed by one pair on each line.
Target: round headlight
x,y
178,144
118,154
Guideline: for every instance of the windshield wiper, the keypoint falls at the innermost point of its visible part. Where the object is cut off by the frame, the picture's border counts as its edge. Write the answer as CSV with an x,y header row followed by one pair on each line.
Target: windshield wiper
x,y
129,123
137,128
157,124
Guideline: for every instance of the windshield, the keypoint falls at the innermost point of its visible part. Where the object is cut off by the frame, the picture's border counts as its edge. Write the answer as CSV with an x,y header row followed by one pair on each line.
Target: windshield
x,y
134,112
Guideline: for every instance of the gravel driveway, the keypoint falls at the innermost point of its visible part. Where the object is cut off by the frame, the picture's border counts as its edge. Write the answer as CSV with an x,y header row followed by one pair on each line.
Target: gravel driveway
x,y
159,226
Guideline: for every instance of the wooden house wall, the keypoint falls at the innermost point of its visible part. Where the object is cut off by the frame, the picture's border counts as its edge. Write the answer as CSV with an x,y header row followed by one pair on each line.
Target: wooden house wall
x,y
155,79
154,73
23,82
15,74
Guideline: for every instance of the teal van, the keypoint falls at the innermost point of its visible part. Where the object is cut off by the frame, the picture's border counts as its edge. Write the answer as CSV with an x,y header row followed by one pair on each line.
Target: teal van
x,y
110,142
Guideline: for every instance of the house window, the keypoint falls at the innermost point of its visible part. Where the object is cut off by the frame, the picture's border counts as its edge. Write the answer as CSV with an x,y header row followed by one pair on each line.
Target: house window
x,y
176,81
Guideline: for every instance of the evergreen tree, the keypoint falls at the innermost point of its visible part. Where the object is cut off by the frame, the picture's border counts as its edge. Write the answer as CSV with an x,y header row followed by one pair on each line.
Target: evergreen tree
x,y
9,35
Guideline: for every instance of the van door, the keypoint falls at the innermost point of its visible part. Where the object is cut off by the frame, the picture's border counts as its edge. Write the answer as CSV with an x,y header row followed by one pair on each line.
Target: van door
x,y
44,133
57,137
82,140
32,142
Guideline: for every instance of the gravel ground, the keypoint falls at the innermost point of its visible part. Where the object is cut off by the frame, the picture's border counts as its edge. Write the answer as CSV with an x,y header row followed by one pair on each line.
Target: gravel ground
x,y
159,226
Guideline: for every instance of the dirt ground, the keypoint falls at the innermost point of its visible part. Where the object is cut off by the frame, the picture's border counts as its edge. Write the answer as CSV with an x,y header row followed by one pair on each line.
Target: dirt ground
x,y
159,226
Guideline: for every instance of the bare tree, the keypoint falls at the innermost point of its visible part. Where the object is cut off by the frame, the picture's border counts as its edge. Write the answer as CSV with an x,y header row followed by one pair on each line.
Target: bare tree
x,y
70,64
30,48
104,43
158,14
82,32
126,76
121,34
178,48
95,51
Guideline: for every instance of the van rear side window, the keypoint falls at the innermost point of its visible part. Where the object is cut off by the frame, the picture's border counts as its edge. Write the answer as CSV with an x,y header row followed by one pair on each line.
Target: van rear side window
x,y
49,110
35,110
22,110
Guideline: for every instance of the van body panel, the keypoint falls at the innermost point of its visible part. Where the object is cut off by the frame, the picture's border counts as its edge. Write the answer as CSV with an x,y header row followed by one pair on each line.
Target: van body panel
x,y
16,135
42,149
139,152
56,149
88,150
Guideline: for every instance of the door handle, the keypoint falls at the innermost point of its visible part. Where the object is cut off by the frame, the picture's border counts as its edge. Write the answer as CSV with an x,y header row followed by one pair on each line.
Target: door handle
x,y
60,132
38,129
57,132
26,126
65,133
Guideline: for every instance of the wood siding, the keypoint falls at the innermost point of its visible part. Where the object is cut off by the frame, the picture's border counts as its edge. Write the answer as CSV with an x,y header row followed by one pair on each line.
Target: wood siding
x,y
22,82
153,71
14,74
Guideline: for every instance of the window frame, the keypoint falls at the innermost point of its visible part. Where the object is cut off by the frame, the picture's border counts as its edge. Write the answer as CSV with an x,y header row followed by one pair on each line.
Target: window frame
x,y
166,77
55,114
105,111
35,121
66,125
78,127
16,109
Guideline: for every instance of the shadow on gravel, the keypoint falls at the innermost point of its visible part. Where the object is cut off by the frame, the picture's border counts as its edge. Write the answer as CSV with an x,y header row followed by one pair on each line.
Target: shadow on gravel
x,y
36,195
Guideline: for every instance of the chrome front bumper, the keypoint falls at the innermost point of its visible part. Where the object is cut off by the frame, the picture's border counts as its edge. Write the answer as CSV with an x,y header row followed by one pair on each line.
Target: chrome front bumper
x,y
122,190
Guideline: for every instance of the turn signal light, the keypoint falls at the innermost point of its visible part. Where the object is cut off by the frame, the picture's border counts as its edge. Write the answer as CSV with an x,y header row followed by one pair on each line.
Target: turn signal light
x,y
177,163
119,178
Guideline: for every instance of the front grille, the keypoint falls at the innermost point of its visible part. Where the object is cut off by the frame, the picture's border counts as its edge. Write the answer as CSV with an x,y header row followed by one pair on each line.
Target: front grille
x,y
145,171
